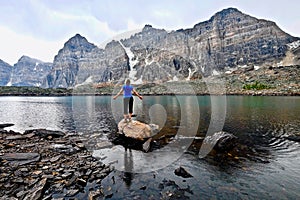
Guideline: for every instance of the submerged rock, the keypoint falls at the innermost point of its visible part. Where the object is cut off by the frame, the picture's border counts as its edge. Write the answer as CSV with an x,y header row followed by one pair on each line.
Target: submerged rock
x,y
62,148
293,137
221,141
182,172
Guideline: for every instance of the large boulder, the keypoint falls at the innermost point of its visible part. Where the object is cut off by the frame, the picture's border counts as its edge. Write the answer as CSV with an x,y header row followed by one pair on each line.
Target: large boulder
x,y
137,130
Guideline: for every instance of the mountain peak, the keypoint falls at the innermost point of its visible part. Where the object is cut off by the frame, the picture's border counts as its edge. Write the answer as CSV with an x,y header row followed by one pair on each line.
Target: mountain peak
x,y
78,41
147,27
4,63
227,11
24,58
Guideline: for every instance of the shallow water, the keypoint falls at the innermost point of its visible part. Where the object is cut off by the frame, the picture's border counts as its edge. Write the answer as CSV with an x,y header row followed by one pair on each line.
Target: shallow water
x,y
268,169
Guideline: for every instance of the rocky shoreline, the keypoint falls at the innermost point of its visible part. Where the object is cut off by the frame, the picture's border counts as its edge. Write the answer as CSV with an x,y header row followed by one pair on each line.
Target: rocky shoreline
x,y
248,81
45,164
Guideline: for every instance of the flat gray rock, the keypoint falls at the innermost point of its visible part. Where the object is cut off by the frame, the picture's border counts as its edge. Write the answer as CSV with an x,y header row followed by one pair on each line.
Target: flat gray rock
x,y
21,158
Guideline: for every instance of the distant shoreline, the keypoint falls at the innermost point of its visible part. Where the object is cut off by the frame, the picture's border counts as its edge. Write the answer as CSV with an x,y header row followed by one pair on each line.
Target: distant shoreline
x,y
244,93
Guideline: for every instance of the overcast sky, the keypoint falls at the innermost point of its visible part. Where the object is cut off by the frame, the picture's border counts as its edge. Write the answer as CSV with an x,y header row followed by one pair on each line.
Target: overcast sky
x,y
39,28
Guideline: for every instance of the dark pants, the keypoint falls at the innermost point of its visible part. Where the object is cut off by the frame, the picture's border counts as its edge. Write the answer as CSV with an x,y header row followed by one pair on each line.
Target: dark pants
x,y
128,102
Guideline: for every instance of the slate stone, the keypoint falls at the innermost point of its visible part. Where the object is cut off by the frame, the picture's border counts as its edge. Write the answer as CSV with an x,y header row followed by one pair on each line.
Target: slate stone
x,y
21,158
45,133
182,172
6,125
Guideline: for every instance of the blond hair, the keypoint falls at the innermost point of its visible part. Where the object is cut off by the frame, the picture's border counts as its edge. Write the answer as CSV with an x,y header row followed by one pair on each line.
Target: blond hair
x,y
127,81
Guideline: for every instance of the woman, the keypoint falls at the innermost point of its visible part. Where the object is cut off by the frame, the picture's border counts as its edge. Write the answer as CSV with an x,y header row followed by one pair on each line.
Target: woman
x,y
127,90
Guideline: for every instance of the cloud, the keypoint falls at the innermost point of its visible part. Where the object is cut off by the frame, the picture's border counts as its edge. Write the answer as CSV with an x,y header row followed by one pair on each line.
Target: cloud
x,y
16,45
55,21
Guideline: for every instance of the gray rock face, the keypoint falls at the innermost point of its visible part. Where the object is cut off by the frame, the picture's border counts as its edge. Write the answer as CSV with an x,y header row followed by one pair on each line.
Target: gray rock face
x,y
228,40
231,38
80,61
5,71
29,72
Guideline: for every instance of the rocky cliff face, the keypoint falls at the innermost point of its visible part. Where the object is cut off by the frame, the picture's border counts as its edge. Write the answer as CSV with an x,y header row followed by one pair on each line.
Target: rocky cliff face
x,y
231,38
228,40
81,62
5,71
29,72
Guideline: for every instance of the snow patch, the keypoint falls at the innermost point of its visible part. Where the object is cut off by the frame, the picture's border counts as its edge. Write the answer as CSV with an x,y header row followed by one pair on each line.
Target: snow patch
x,y
242,66
87,81
215,73
148,62
294,45
9,83
202,69
139,81
190,74
175,78
132,63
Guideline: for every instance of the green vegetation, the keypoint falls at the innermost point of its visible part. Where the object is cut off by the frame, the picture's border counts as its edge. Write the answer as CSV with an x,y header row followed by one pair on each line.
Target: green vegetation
x,y
256,86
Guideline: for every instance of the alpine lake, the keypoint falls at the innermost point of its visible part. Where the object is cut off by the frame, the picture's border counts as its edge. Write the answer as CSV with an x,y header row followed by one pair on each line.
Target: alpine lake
x,y
264,166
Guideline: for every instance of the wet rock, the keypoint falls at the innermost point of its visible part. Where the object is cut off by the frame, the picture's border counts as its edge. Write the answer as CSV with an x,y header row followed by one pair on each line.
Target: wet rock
x,y
71,193
45,133
109,196
37,191
170,190
21,158
55,159
81,182
65,168
15,137
6,125
293,137
62,148
221,141
146,145
143,187
182,172
21,194
93,195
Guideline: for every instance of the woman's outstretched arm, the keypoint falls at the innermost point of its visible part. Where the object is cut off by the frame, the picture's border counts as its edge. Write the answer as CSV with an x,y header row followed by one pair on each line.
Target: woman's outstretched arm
x,y
137,94
119,93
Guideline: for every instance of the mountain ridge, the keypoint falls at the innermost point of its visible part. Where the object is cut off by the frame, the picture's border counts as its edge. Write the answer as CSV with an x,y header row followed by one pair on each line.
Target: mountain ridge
x,y
228,40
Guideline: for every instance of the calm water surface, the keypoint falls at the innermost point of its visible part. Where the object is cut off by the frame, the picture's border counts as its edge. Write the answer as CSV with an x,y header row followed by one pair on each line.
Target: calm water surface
x,y
269,169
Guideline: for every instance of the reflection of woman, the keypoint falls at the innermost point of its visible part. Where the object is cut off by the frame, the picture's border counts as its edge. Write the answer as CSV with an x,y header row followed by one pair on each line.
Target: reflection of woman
x,y
128,167
127,90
